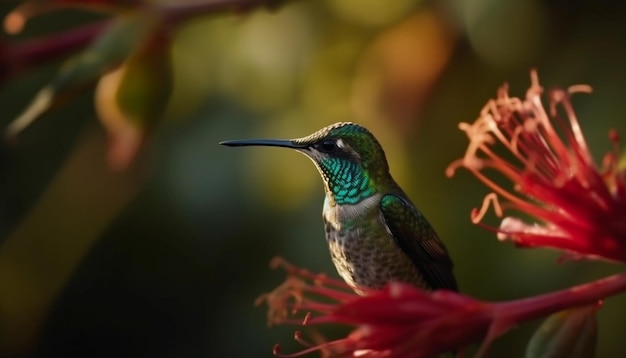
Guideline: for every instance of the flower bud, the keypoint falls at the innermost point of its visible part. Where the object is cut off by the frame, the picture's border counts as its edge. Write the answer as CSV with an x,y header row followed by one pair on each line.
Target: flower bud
x,y
570,333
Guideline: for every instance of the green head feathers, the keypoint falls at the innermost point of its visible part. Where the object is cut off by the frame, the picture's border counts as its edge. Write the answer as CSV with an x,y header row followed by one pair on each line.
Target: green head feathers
x,y
349,158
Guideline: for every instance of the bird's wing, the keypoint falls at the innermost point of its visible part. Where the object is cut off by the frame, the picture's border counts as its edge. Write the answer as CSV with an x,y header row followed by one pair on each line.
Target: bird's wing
x,y
419,241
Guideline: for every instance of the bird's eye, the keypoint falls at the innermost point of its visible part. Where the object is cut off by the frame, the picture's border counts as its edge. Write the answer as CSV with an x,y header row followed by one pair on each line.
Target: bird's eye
x,y
328,145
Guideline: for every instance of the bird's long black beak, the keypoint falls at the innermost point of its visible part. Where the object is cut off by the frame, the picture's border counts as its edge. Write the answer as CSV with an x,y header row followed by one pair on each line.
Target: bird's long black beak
x,y
285,143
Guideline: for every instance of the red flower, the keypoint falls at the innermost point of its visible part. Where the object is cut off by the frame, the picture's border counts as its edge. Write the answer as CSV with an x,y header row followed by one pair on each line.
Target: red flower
x,y
401,320
582,209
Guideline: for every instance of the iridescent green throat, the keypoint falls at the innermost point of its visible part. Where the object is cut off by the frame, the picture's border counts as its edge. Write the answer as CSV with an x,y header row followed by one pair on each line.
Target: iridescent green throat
x,y
347,182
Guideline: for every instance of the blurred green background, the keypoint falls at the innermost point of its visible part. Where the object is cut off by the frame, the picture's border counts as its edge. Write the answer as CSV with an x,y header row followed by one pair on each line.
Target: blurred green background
x,y
166,259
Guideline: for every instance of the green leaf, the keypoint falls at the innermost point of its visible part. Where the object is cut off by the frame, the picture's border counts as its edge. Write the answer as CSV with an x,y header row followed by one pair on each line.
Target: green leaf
x,y
131,99
571,333
118,41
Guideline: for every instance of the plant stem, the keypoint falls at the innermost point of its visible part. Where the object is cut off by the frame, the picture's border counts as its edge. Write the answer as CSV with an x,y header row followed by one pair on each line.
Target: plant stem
x,y
539,306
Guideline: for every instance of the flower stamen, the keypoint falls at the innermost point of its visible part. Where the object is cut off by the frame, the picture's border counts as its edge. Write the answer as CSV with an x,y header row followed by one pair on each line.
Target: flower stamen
x,y
583,209
404,321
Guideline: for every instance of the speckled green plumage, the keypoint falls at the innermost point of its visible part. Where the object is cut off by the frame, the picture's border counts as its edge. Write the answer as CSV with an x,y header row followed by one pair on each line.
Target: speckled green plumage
x,y
374,233
349,181
362,249
416,237
346,181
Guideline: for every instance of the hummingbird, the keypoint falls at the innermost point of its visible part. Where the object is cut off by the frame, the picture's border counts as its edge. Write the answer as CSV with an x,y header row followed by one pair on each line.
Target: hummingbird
x,y
374,232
